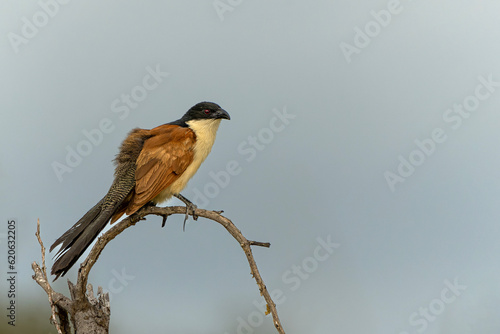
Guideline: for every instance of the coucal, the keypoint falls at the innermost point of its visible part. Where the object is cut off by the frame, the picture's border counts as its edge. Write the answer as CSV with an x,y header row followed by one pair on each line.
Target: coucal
x,y
151,167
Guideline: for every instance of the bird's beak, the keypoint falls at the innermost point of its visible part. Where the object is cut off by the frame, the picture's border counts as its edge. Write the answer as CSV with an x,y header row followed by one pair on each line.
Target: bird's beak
x,y
221,113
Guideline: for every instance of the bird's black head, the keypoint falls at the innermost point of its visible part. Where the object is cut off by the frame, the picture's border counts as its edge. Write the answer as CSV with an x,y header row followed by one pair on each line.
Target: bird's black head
x,y
205,110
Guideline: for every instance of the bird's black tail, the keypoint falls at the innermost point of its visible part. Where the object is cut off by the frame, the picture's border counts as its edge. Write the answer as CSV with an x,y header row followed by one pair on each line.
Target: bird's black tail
x,y
79,237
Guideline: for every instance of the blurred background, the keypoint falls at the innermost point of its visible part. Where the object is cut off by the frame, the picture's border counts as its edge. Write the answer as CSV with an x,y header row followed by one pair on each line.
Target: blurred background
x,y
361,145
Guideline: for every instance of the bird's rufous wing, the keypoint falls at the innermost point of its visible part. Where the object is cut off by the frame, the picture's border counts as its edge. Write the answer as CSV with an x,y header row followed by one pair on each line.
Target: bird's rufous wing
x,y
163,159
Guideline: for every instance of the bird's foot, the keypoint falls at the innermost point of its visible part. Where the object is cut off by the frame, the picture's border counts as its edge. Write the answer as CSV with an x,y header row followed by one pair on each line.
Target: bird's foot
x,y
151,203
190,207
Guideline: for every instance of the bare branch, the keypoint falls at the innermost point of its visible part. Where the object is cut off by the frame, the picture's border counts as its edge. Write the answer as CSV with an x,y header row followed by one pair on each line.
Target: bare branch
x,y
164,212
41,278
82,293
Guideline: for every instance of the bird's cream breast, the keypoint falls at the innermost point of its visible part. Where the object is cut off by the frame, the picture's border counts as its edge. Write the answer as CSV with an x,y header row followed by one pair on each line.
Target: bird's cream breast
x,y
205,131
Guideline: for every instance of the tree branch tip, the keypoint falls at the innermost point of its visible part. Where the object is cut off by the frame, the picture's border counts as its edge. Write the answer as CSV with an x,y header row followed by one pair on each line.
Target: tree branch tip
x,y
259,243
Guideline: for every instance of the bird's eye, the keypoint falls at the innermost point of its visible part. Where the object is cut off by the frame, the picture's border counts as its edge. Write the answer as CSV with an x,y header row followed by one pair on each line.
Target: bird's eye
x,y
206,111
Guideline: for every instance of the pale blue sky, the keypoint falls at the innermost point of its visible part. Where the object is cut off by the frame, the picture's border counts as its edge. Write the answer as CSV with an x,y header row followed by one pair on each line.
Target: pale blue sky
x,y
312,178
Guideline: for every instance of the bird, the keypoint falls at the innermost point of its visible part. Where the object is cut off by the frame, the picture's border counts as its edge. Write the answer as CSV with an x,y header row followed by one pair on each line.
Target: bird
x,y
151,167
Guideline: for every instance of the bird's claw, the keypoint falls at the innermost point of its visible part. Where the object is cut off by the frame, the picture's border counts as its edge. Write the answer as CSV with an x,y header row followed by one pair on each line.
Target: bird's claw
x,y
190,207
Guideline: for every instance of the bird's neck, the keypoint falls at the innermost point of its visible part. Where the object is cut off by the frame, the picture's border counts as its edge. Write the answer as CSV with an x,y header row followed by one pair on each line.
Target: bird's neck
x,y
205,131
